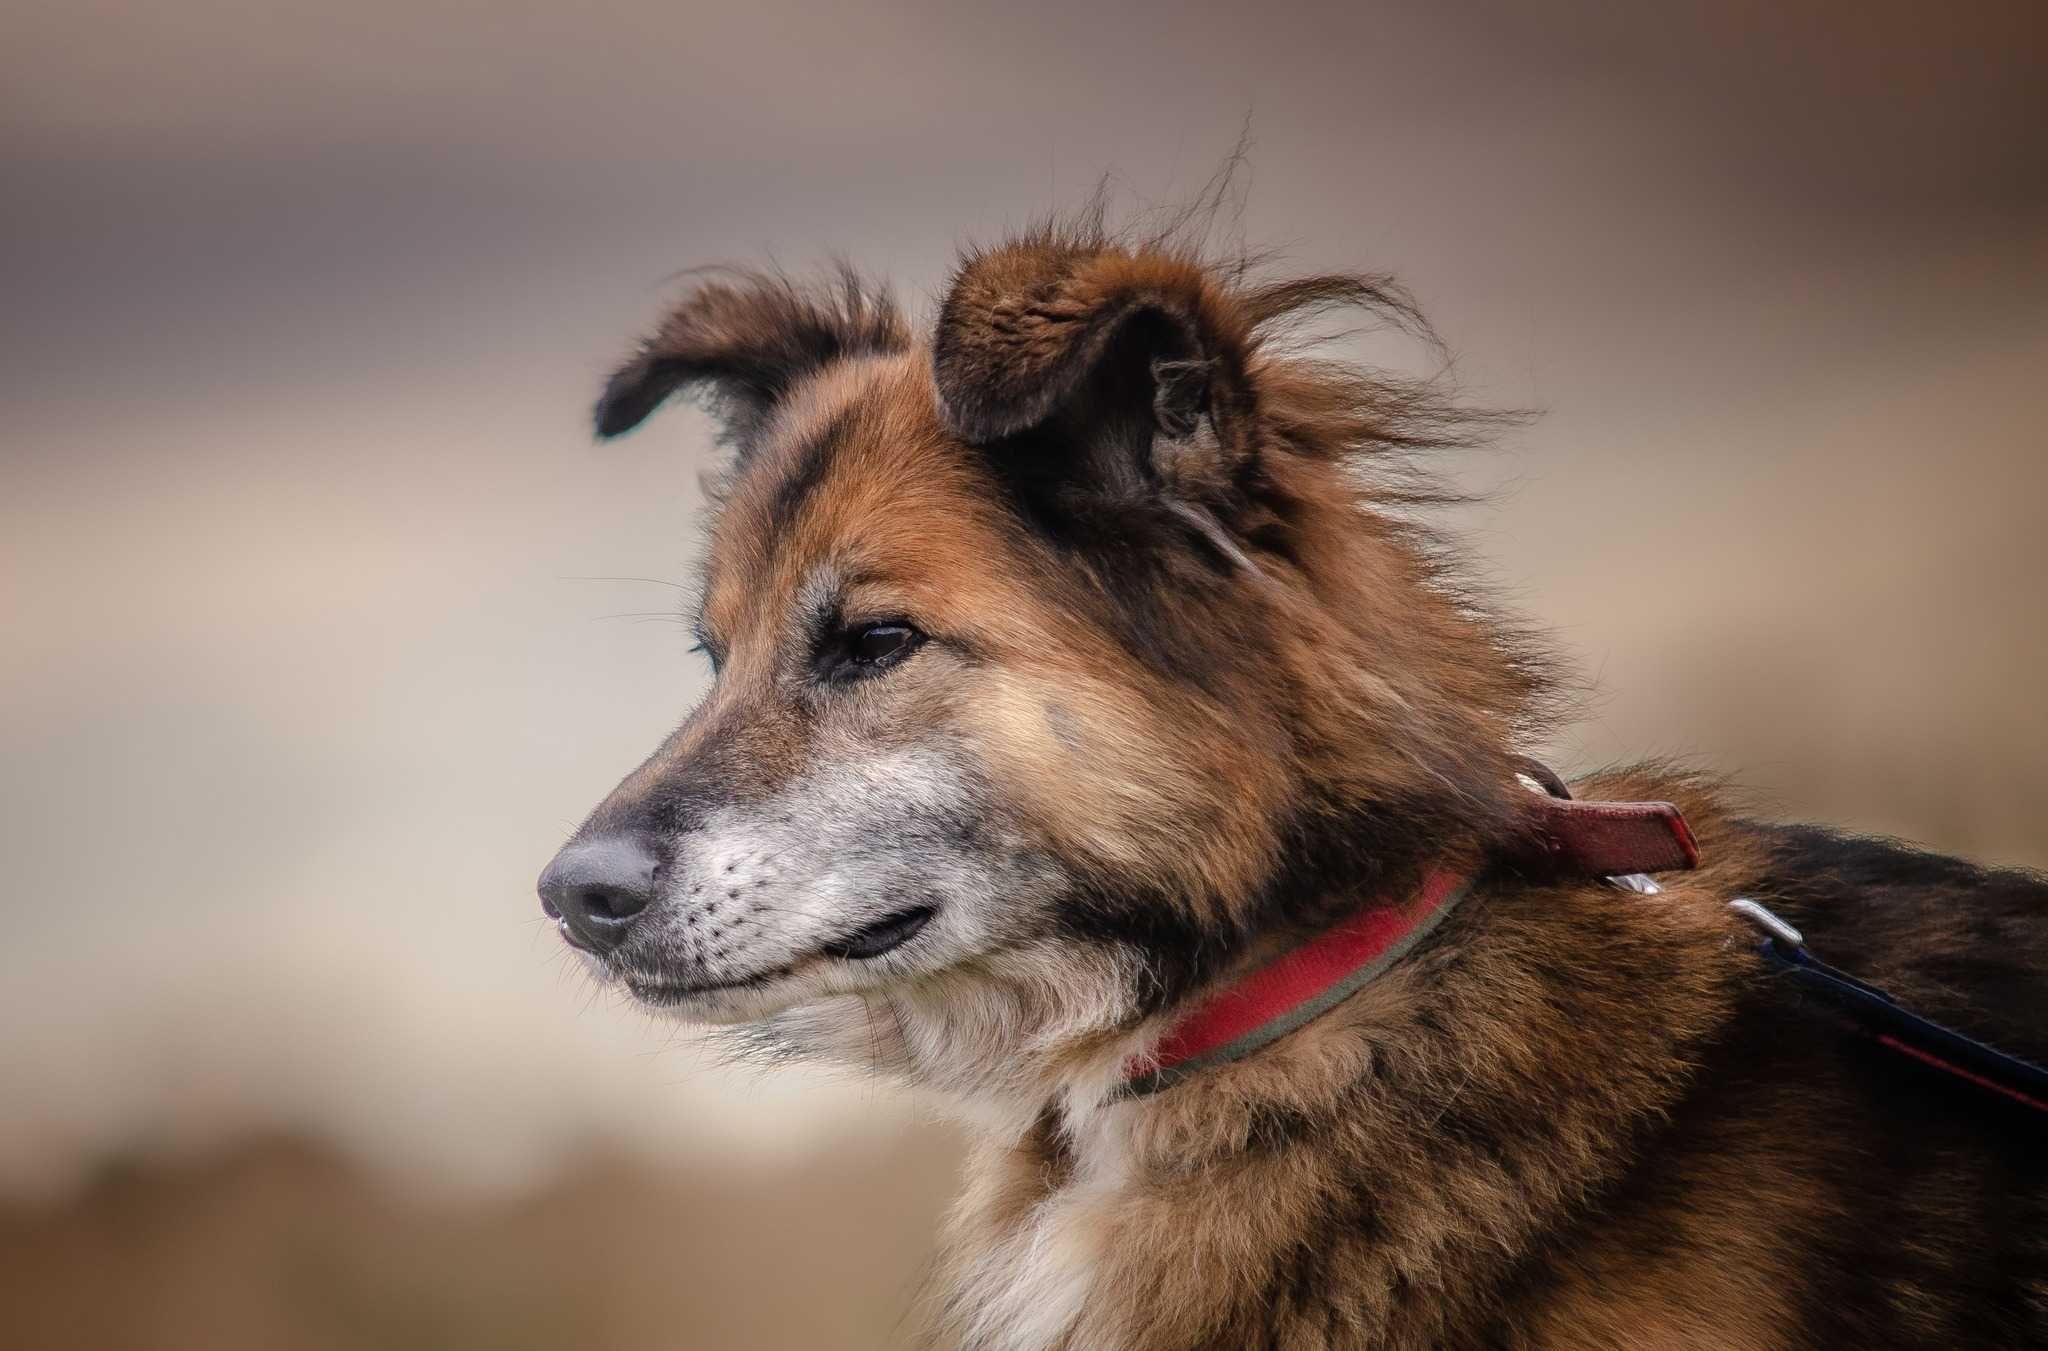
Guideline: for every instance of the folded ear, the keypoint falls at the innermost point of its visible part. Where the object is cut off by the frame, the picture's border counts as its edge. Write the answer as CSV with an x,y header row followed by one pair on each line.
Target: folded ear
x,y
746,341
1110,344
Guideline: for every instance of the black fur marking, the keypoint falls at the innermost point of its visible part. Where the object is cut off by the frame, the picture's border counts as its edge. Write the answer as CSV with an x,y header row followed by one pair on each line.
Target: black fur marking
x,y
1334,858
1178,953
807,465
1140,572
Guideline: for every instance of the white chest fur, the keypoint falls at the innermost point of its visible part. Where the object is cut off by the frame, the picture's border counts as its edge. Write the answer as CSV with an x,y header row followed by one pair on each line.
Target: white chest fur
x,y
1029,1290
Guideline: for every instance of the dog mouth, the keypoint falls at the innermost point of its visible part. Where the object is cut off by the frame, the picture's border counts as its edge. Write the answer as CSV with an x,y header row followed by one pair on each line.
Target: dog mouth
x,y
866,943
884,935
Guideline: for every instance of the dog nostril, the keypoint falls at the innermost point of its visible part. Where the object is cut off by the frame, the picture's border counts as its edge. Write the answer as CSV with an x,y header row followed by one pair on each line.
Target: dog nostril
x,y
610,903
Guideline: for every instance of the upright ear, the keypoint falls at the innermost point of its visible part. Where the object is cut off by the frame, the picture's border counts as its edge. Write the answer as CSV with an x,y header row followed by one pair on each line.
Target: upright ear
x,y
1117,348
746,341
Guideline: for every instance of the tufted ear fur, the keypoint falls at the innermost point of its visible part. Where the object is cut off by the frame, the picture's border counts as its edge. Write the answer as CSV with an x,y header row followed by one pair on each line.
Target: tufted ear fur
x,y
1111,350
747,340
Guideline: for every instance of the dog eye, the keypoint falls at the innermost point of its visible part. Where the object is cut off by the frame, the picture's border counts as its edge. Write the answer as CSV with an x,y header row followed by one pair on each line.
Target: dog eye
x,y
877,645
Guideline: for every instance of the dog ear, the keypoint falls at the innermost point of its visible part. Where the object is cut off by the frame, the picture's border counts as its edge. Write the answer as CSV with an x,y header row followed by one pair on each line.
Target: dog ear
x,y
746,341
1113,349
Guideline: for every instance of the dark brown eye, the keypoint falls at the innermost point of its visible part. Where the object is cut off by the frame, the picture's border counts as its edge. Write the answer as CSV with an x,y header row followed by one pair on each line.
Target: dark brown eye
x,y
879,644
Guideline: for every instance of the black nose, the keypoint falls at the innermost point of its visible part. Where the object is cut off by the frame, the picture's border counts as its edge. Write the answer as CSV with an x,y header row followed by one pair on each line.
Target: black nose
x,y
597,886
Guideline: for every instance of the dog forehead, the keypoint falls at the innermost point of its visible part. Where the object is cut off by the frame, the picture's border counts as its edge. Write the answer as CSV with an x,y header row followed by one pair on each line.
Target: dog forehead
x,y
857,470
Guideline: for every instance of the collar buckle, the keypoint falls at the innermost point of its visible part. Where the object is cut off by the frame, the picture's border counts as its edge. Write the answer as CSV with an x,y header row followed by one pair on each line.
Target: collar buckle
x,y
1767,922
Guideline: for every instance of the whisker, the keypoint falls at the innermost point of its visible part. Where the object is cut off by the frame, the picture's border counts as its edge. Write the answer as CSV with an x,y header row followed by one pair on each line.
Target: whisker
x,y
651,581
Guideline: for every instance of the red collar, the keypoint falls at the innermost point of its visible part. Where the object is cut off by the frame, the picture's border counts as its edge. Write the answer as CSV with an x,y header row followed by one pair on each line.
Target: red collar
x,y
1585,839
1268,1003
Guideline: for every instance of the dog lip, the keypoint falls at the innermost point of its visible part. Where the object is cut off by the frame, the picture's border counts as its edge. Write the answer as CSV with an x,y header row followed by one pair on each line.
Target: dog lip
x,y
670,992
884,935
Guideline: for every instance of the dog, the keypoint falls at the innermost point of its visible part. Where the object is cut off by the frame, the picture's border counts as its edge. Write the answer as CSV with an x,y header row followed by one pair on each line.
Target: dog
x,y
1102,740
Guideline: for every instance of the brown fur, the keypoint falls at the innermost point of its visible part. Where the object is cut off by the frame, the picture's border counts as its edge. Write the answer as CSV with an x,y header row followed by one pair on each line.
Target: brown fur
x,y
1190,637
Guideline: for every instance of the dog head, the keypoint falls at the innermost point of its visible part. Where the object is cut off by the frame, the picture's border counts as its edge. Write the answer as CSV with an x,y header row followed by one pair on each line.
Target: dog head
x,y
1066,650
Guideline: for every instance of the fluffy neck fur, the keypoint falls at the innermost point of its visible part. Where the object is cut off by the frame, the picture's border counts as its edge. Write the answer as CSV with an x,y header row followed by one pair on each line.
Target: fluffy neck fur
x,y
1381,1169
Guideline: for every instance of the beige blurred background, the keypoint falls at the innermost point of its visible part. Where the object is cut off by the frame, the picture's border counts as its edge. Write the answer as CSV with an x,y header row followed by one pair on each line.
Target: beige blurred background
x,y
309,661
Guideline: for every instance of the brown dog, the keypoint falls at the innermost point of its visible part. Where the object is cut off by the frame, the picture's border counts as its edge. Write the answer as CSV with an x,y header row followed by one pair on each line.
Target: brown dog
x,y
1082,670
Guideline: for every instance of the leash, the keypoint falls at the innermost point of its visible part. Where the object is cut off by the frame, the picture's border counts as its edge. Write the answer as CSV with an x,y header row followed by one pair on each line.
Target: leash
x,y
1891,1024
1620,842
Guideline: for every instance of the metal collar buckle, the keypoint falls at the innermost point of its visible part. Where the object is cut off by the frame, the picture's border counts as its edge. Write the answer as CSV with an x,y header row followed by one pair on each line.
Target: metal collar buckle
x,y
1768,923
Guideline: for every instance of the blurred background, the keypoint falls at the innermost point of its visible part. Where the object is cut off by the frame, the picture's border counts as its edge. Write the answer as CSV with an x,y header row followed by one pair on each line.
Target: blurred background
x,y
316,643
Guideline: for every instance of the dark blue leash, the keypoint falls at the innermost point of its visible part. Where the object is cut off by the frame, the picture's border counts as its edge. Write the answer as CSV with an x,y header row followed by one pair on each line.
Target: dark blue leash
x,y
1891,1024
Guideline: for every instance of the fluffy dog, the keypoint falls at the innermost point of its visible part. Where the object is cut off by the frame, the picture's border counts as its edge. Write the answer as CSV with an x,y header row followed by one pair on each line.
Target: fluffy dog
x,y
1084,658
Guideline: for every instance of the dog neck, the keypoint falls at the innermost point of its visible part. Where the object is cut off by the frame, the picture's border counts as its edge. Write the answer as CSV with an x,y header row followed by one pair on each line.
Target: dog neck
x,y
1272,994
1458,1103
